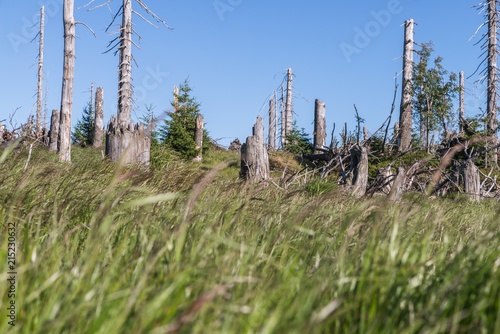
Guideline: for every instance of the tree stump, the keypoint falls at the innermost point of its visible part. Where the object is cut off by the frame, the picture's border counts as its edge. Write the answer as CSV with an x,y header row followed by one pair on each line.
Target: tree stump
x,y
254,157
471,180
99,118
130,143
54,130
396,193
198,138
319,126
359,170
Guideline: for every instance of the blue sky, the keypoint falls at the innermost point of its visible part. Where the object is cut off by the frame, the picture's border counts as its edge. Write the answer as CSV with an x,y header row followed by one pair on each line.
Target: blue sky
x,y
235,54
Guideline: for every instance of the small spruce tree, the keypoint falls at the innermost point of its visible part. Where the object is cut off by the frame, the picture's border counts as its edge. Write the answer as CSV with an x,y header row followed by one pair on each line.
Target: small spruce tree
x,y
83,133
298,141
178,131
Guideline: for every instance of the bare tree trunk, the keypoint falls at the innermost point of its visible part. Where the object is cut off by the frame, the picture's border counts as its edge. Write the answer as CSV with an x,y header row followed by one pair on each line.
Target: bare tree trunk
x,y
423,130
283,117
359,170
319,124
64,144
492,118
461,112
289,102
272,123
472,181
396,135
176,99
125,66
40,72
198,138
99,118
2,130
405,118
396,193
254,157
365,133
54,130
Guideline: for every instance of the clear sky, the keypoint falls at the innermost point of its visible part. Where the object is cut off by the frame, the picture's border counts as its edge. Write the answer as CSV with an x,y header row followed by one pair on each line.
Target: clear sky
x,y
235,54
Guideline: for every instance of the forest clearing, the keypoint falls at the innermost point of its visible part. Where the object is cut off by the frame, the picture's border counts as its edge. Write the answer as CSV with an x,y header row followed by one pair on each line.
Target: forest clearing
x,y
149,225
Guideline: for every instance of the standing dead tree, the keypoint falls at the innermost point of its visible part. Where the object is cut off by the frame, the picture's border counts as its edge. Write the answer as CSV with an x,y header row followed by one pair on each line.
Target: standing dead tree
x,y
461,109
198,137
118,139
289,103
359,170
40,72
254,157
54,130
64,143
319,125
272,123
405,117
492,90
99,118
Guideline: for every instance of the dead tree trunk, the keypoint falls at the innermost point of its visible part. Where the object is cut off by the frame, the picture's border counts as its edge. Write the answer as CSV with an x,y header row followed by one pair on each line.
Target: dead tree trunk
x,y
396,193
198,138
472,181
319,125
125,66
365,133
54,130
131,145
461,112
40,72
359,170
283,117
492,118
64,143
405,117
272,123
99,118
254,157
176,99
289,103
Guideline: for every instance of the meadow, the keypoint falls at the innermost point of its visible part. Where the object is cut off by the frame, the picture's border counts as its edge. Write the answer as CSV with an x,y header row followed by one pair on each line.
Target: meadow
x,y
187,247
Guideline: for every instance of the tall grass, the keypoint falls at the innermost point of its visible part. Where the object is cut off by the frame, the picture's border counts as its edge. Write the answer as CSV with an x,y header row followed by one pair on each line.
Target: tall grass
x,y
104,248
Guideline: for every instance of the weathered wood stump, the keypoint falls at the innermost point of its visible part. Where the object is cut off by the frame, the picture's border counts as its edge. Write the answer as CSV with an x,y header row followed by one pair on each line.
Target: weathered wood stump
x,y
319,126
254,157
198,138
129,143
359,170
54,130
471,180
99,118
396,193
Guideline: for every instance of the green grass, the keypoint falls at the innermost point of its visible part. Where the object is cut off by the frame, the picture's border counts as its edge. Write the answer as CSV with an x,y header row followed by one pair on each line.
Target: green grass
x,y
111,249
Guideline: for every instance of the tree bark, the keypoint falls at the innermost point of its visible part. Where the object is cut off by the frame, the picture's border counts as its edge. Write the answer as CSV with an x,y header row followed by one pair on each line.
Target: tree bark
x,y
289,103
319,125
359,170
461,112
40,72
283,117
272,123
405,118
125,66
129,144
198,138
54,130
64,143
99,118
254,157
472,181
492,118
396,193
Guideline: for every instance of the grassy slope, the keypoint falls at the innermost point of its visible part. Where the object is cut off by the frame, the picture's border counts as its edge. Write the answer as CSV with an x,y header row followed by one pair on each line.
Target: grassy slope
x,y
100,252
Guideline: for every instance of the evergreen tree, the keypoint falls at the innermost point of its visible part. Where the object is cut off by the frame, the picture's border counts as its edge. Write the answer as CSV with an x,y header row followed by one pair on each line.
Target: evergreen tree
x,y
150,122
433,91
83,133
298,141
178,131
